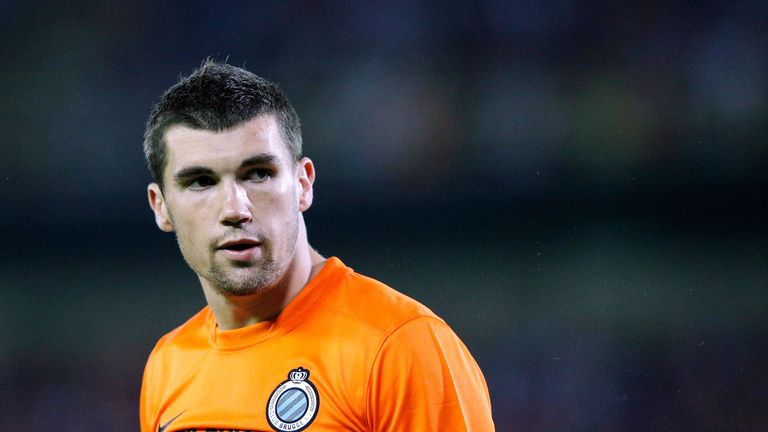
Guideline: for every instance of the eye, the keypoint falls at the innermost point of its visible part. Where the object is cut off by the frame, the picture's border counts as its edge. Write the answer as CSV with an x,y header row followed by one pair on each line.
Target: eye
x,y
202,182
259,174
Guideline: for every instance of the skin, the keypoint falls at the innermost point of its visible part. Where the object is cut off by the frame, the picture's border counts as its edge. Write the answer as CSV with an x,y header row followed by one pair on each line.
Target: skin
x,y
235,200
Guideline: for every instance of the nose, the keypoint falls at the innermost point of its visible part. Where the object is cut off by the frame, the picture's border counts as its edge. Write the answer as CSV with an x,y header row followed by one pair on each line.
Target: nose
x,y
236,208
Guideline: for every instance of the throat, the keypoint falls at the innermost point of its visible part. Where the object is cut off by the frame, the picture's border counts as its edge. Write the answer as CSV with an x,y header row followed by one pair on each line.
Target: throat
x,y
233,311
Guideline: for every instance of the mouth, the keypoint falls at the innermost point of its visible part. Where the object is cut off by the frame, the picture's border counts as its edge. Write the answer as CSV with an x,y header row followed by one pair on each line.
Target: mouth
x,y
239,245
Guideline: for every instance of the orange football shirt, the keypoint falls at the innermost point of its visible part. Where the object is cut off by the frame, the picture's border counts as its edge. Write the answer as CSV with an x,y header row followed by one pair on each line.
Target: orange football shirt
x,y
347,354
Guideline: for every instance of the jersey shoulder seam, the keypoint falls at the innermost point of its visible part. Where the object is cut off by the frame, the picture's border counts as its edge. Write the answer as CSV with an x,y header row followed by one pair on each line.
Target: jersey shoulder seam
x,y
395,325
378,353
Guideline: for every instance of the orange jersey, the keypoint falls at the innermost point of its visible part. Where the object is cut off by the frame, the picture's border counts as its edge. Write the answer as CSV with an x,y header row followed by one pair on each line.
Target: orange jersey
x,y
347,354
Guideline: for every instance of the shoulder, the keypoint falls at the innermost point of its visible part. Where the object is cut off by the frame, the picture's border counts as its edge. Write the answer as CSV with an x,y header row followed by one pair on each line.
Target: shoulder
x,y
372,303
193,333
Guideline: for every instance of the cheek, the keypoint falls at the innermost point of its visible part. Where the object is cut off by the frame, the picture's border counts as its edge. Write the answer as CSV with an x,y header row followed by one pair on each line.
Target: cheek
x,y
190,215
190,238
275,203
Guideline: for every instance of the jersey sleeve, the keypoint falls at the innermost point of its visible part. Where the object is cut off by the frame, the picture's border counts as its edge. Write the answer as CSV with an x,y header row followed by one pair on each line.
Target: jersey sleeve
x,y
425,379
144,405
148,398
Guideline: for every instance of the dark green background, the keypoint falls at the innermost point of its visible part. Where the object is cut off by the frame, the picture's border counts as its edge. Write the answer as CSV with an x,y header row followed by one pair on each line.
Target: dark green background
x,y
578,188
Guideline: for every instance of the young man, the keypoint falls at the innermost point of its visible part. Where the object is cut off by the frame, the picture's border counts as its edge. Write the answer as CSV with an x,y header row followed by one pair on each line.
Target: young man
x,y
289,340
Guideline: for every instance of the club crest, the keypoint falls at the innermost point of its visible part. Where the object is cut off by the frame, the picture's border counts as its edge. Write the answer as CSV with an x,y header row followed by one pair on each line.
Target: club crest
x,y
294,403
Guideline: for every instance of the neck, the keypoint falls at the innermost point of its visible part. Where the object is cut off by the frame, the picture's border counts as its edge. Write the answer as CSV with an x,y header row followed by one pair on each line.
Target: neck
x,y
232,312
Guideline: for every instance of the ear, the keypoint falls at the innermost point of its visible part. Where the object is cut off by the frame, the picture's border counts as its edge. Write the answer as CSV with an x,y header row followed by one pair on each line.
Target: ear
x,y
306,176
158,205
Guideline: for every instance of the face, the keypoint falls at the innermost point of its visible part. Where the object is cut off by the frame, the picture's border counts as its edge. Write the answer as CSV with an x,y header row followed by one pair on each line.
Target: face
x,y
234,199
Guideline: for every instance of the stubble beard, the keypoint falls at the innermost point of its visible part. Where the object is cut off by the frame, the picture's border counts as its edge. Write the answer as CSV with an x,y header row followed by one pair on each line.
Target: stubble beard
x,y
264,274
251,278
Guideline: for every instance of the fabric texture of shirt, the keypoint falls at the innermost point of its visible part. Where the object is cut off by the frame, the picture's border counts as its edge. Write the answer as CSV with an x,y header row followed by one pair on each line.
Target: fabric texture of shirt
x,y
347,354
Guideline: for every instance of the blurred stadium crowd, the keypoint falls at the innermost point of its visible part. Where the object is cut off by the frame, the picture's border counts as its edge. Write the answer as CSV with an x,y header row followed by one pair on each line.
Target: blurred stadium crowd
x,y
577,187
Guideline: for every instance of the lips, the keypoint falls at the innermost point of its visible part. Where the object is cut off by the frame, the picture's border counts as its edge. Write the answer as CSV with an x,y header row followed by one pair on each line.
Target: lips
x,y
239,245
244,250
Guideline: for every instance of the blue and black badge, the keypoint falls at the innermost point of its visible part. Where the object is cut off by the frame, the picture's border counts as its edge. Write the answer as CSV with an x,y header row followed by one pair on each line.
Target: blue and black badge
x,y
294,403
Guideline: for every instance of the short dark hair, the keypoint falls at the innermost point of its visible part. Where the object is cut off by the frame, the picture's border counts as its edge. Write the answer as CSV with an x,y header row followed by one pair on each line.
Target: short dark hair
x,y
216,97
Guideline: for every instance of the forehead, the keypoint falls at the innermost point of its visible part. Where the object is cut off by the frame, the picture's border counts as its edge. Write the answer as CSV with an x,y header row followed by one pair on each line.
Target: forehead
x,y
225,149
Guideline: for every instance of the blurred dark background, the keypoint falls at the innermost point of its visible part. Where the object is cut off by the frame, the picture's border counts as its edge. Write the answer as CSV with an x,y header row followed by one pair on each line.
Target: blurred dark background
x,y
578,188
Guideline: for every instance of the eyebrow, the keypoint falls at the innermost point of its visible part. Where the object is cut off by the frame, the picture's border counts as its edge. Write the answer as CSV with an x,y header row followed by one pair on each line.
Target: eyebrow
x,y
197,170
262,159
192,171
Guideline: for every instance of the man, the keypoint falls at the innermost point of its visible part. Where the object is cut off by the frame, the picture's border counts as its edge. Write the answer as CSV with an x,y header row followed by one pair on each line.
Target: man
x,y
289,340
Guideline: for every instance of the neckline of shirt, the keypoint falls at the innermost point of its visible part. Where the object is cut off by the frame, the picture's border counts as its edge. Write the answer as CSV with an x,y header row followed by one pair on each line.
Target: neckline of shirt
x,y
290,317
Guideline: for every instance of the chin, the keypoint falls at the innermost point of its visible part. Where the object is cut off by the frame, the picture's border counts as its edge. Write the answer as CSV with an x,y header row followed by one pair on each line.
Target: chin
x,y
240,285
241,292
